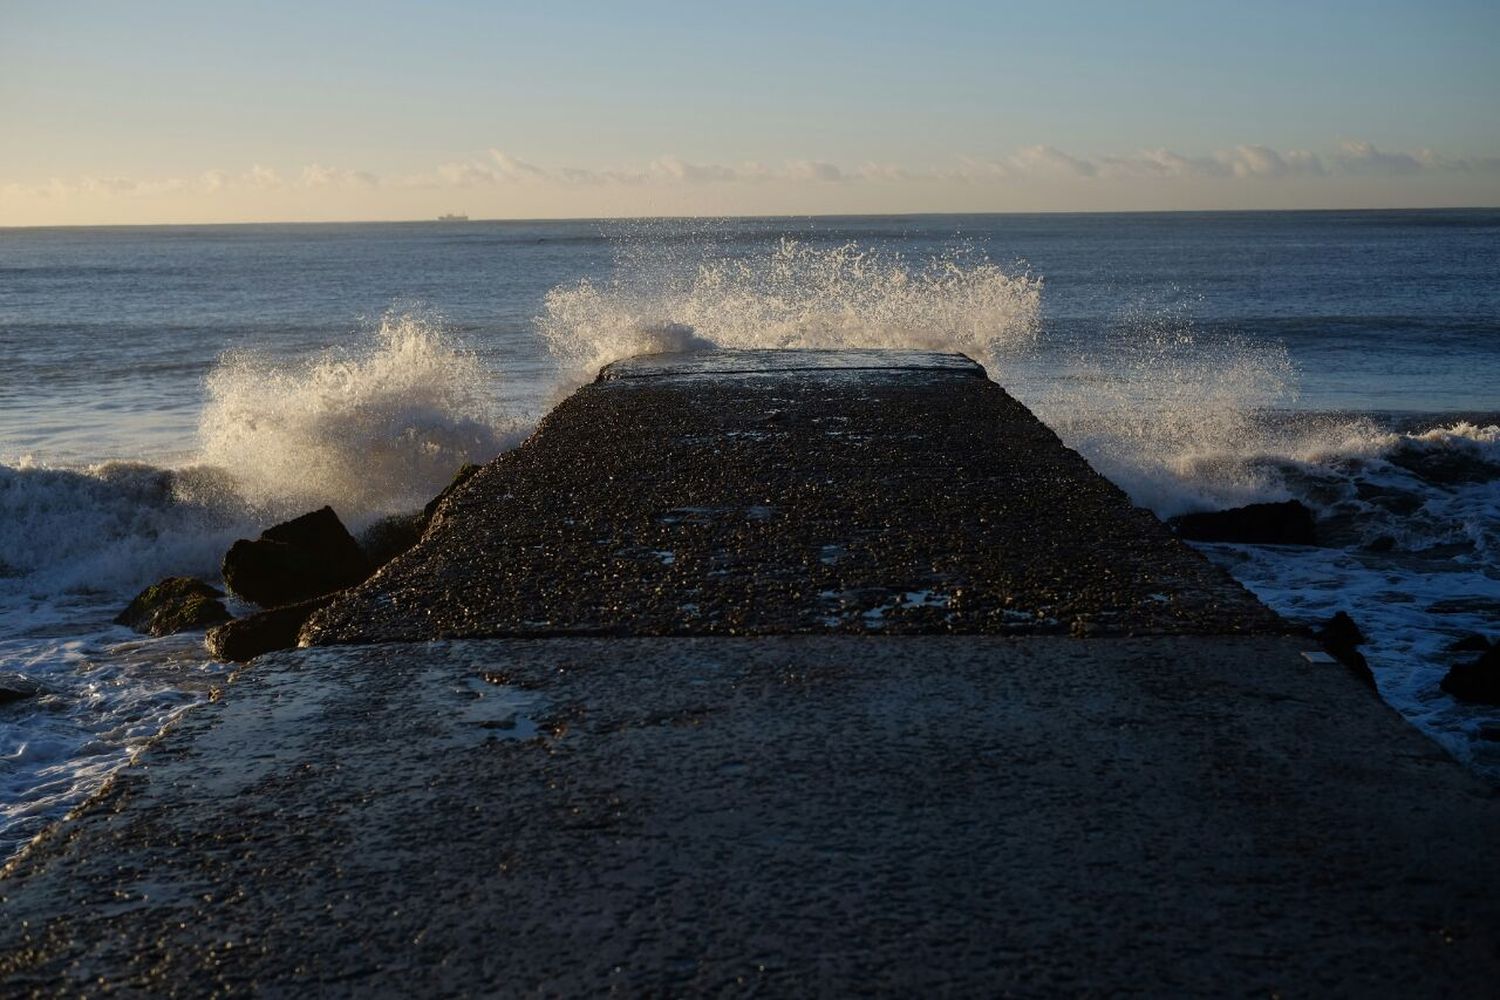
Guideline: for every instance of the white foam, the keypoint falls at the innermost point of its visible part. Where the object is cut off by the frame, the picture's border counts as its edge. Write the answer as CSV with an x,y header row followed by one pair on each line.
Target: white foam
x,y
374,428
795,296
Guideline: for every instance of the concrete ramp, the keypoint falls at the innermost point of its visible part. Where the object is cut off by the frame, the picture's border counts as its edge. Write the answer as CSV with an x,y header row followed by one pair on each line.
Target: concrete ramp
x,y
709,731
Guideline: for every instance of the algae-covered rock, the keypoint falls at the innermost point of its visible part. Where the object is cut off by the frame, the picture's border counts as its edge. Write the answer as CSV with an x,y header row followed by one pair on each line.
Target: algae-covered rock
x,y
176,604
306,557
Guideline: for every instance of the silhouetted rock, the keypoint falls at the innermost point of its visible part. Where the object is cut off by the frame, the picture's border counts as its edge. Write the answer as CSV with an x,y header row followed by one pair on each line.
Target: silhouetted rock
x,y
1288,523
246,638
1341,630
306,557
1478,681
176,604
1475,643
390,536
1339,636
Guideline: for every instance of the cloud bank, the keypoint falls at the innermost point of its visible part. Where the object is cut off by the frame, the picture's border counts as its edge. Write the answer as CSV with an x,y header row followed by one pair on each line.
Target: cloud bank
x,y
497,170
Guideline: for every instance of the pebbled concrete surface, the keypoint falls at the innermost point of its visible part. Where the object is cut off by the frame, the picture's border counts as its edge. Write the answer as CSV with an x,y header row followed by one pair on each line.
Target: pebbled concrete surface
x,y
768,492
783,816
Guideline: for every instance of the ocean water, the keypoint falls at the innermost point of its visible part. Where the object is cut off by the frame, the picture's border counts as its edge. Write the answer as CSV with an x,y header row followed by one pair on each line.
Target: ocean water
x,y
166,390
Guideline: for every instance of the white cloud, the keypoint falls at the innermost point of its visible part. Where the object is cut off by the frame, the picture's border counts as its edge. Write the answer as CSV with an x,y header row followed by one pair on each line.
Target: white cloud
x,y
315,175
1049,159
1263,161
262,178
814,170
1363,158
891,173
1161,163
671,168
510,168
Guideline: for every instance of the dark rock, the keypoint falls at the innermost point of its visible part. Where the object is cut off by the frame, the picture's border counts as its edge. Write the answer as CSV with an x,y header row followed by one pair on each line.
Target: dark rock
x,y
390,536
464,473
1339,636
292,562
14,687
176,604
1478,681
1357,664
246,638
1475,643
1444,466
1340,630
1399,502
1288,523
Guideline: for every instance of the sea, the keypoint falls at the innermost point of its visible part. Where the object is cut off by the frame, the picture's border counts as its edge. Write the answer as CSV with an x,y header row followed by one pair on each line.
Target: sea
x,y
165,390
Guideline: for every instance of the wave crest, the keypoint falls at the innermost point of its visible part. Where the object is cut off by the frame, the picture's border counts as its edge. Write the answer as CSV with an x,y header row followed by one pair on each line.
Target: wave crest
x,y
795,296
370,430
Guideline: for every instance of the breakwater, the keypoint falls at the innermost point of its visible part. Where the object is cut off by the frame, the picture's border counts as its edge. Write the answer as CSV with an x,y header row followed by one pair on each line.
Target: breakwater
x,y
766,492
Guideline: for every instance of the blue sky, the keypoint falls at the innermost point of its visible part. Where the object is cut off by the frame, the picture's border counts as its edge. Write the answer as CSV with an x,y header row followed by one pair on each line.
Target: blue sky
x,y
172,111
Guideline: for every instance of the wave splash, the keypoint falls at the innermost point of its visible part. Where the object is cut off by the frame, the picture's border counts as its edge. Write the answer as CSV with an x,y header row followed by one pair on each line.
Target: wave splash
x,y
794,296
373,430
1176,417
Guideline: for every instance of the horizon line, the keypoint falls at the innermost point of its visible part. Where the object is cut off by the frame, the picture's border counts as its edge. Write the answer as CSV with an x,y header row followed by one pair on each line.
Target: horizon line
x,y
750,217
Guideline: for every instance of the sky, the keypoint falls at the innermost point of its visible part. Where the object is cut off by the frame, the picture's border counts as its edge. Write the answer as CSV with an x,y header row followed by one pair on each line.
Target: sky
x,y
262,110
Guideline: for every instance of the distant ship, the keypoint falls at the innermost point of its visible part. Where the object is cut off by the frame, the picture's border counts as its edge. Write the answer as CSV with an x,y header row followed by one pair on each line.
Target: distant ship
x,y
453,218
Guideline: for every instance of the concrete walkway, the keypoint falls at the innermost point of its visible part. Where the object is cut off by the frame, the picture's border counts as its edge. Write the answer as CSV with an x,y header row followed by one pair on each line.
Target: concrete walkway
x,y
788,816
626,794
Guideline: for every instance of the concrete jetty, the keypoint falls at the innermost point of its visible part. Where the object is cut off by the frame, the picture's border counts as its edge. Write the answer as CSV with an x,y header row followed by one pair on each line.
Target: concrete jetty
x,y
779,674
773,492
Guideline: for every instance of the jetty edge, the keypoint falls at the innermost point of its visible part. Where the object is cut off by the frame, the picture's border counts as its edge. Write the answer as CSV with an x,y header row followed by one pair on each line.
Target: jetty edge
x,y
781,673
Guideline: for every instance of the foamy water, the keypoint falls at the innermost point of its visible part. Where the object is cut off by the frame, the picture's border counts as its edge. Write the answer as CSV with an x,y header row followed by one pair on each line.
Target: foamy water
x,y
374,429
1184,409
793,296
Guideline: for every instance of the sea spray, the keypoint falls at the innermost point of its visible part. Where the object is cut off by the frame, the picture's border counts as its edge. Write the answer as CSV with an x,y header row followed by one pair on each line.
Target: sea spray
x,y
793,296
371,429
1176,416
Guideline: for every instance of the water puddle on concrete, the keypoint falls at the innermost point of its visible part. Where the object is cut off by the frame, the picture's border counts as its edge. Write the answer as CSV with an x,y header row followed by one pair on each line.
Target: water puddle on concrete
x,y
489,711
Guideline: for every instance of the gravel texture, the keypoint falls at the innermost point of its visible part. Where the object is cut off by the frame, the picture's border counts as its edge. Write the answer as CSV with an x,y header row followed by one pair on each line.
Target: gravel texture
x,y
773,492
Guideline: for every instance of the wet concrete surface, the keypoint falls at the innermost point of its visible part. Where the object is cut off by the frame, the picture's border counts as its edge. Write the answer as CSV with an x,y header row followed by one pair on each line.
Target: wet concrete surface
x,y
775,816
773,492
